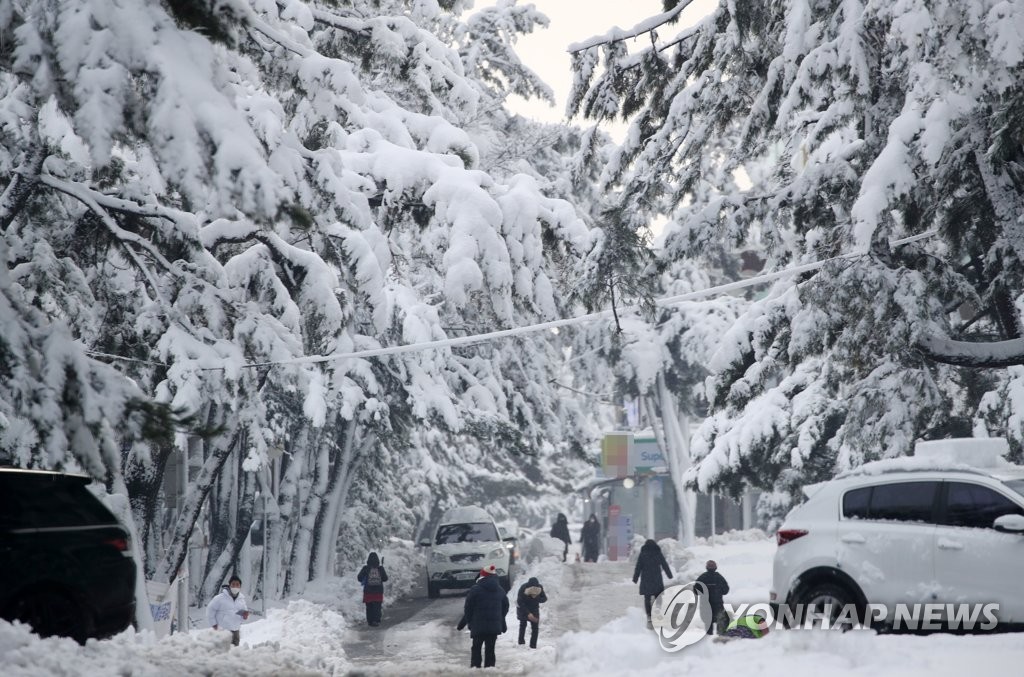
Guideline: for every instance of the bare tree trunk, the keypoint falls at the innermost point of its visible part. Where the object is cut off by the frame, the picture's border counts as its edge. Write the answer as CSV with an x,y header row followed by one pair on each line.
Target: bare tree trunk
x,y
226,562
271,549
327,520
298,566
678,455
221,448
281,532
360,453
143,477
221,510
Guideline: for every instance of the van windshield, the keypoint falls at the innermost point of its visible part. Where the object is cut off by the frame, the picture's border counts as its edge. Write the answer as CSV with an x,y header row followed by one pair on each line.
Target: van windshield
x,y
471,532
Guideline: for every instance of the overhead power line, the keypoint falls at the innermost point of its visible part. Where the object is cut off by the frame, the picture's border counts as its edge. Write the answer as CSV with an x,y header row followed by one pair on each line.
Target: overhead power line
x,y
719,290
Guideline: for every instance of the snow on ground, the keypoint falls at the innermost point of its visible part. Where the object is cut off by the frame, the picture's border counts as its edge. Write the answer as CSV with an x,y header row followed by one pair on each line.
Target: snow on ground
x,y
403,563
203,652
593,624
624,646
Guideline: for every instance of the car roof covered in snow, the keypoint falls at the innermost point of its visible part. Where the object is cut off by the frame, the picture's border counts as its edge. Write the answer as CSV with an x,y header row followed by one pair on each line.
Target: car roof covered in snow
x,y
970,456
984,456
470,513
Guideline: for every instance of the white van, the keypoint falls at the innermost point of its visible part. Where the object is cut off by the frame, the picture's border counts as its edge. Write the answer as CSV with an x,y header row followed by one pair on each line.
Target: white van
x,y
466,540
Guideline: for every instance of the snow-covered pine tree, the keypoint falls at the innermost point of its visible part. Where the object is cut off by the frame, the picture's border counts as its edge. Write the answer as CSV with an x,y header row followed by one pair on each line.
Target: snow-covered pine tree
x,y
212,186
856,124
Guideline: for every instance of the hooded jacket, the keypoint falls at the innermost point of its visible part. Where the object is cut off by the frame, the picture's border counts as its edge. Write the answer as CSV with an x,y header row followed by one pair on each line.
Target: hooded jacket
x,y
560,529
372,593
486,608
649,566
590,536
529,604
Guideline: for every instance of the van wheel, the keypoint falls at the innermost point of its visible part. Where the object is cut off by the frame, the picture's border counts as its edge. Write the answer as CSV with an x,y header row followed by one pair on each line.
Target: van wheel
x,y
432,591
51,613
828,601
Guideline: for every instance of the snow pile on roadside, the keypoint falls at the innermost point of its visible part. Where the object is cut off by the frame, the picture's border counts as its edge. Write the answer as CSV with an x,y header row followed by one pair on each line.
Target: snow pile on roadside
x,y
679,558
734,536
304,633
403,562
744,558
23,654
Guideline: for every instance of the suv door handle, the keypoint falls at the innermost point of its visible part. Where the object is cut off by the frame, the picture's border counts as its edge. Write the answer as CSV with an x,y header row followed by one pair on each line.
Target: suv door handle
x,y
947,544
853,538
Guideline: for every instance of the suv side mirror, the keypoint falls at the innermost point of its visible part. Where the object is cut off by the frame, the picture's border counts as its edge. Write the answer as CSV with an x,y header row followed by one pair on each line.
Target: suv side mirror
x,y
1013,524
425,542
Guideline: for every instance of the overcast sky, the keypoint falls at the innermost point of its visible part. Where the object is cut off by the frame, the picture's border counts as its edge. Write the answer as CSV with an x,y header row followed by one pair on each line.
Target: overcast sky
x,y
574,21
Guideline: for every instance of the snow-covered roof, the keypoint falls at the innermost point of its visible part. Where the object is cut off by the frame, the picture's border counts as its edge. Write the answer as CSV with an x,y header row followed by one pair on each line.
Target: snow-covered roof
x,y
470,513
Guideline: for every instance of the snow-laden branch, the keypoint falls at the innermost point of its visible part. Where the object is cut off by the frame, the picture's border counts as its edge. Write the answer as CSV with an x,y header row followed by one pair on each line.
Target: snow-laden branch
x,y
718,290
618,35
971,353
333,20
84,195
257,24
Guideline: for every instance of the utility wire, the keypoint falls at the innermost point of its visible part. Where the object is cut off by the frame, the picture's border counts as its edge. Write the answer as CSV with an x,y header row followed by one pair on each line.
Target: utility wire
x,y
565,322
456,341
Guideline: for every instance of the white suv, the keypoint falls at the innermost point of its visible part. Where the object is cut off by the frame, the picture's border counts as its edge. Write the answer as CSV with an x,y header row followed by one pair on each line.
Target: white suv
x,y
466,540
946,525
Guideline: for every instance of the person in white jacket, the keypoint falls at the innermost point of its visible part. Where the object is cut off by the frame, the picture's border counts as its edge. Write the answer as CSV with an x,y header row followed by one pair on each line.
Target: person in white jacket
x,y
227,610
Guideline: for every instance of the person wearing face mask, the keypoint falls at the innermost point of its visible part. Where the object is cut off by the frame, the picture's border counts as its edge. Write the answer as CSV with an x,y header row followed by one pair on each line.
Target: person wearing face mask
x,y
227,610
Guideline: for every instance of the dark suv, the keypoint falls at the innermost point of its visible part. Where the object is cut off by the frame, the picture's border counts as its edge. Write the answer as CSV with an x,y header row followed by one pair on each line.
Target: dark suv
x,y
65,561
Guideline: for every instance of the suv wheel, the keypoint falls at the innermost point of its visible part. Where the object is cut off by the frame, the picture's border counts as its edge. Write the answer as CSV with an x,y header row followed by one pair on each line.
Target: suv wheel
x,y
831,598
432,591
50,613
506,583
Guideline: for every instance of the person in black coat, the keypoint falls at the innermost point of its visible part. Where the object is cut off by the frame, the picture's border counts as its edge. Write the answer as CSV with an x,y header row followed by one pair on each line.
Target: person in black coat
x,y
531,596
484,613
717,588
560,530
649,566
373,577
591,538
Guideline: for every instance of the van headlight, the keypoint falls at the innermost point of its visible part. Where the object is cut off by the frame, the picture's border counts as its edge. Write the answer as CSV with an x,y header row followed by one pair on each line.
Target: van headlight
x,y
438,557
497,552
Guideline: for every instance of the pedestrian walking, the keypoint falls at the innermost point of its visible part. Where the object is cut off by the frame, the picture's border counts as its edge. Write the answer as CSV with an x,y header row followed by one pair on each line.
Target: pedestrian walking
x,y
373,577
590,537
560,530
649,566
227,610
531,596
484,612
717,588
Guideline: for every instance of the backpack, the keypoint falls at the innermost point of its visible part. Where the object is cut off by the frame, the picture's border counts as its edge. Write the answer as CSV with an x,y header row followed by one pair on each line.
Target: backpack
x,y
373,577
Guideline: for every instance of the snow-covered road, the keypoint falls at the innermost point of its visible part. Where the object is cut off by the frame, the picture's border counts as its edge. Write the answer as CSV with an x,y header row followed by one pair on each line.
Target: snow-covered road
x,y
418,636
592,625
